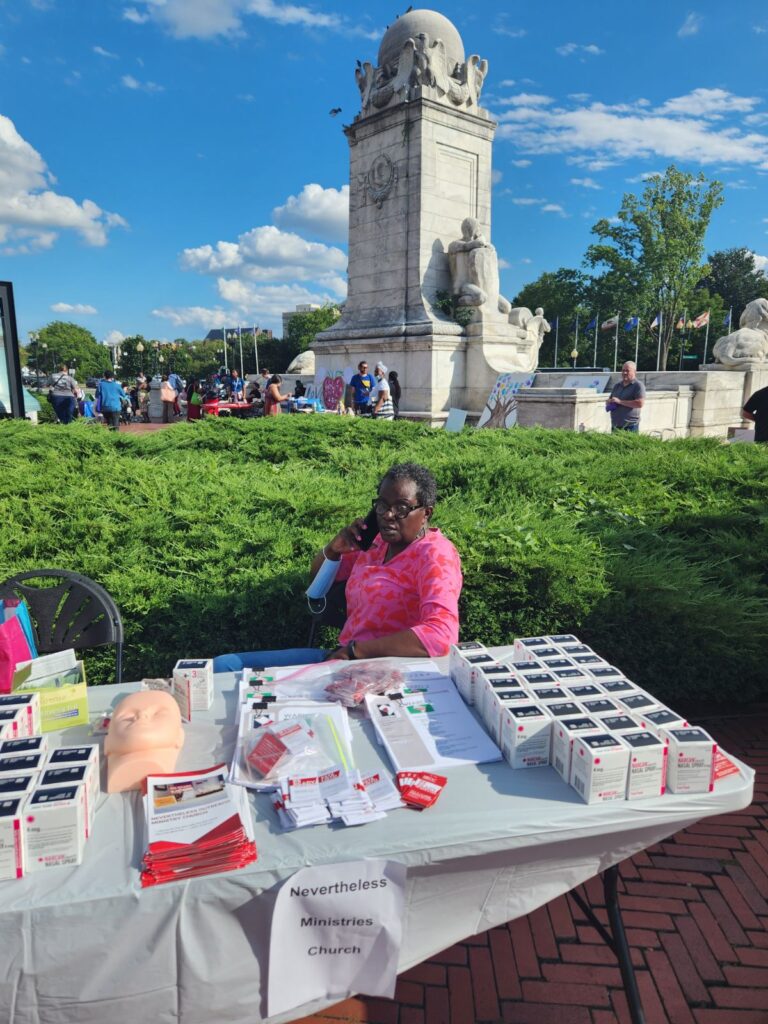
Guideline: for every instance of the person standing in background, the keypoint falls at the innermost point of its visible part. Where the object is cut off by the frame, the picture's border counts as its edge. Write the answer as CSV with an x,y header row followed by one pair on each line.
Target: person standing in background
x,y
381,398
63,395
168,397
273,398
756,410
362,383
626,401
110,394
396,391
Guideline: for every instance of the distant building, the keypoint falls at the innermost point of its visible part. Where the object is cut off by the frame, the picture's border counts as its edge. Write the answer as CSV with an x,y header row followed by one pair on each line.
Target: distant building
x,y
306,307
218,335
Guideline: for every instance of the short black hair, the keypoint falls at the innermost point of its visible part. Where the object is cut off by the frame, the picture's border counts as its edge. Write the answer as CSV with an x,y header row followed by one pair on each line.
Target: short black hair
x,y
108,374
426,485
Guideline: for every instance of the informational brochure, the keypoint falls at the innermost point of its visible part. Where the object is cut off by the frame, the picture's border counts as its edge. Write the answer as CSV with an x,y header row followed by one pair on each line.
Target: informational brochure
x,y
427,725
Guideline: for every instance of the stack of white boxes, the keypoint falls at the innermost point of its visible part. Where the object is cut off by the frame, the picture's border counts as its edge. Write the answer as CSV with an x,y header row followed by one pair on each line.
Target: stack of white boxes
x,y
193,686
555,701
47,797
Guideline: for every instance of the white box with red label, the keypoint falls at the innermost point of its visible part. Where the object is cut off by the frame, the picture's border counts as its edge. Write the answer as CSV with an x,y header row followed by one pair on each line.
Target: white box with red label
x,y
525,736
599,768
54,827
193,686
691,762
564,731
647,764
12,837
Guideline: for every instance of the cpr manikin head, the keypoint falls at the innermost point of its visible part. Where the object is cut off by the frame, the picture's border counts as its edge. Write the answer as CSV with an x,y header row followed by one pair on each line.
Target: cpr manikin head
x,y
145,737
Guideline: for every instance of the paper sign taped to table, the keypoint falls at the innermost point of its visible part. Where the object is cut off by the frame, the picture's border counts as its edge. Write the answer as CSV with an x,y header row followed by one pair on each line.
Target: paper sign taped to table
x,y
336,931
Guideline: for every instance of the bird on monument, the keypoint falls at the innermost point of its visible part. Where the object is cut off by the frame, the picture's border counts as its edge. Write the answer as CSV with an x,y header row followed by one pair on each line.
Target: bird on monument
x,y
335,111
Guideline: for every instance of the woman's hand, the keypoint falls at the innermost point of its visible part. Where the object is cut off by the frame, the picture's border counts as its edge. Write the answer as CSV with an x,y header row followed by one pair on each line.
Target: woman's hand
x,y
339,654
346,540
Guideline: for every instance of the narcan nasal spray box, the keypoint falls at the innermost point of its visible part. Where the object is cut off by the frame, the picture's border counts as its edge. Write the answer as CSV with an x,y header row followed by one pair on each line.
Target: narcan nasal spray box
x,y
54,827
11,836
525,736
29,722
599,768
564,731
691,761
647,764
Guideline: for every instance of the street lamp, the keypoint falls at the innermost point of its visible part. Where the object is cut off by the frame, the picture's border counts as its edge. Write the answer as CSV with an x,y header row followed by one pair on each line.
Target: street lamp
x,y
140,350
574,356
33,336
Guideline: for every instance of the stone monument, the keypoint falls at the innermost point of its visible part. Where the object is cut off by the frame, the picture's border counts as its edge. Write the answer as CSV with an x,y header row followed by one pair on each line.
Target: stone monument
x,y
750,343
420,173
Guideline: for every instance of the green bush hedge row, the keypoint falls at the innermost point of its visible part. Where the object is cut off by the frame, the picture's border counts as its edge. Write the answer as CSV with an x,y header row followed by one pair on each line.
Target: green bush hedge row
x,y
654,553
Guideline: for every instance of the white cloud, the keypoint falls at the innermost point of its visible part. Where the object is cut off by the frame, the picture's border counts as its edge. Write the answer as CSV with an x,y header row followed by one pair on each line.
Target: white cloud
x,y
507,83
740,185
578,97
569,49
645,176
761,264
691,26
323,212
525,259
496,177
133,83
599,136
511,33
527,201
31,213
137,17
104,53
78,308
709,103
553,208
264,304
586,183
526,99
206,19
520,163
503,264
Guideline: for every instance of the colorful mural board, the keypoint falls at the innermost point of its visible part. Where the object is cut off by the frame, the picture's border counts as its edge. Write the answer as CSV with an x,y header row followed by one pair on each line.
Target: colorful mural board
x,y
501,408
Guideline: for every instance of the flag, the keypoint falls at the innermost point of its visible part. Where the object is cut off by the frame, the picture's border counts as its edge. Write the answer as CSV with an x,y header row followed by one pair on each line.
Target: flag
x,y
727,319
657,322
608,325
592,323
701,320
680,324
631,323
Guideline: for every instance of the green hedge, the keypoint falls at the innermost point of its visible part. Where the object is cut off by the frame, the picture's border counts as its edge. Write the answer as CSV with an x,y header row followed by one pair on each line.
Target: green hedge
x,y
653,552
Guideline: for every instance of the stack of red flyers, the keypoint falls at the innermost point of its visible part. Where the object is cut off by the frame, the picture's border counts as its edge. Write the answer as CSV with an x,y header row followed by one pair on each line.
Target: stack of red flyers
x,y
197,824
420,789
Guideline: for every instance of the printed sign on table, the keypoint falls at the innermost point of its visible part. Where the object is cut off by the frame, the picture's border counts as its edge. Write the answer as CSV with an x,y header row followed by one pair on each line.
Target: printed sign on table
x,y
336,931
501,408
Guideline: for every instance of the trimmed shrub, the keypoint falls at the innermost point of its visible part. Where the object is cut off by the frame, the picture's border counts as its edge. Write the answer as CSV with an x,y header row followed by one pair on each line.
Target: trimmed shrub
x,y
654,553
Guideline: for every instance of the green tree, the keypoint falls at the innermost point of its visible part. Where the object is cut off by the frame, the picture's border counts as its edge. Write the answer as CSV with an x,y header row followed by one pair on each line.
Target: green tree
x,y
561,294
303,327
734,276
63,342
651,256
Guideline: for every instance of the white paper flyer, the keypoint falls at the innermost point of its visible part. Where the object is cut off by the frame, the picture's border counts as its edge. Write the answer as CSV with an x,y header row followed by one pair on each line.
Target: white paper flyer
x,y
336,931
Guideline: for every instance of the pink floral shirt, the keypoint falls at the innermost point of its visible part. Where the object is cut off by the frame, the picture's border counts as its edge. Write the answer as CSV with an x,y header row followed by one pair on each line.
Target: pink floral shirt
x,y
418,590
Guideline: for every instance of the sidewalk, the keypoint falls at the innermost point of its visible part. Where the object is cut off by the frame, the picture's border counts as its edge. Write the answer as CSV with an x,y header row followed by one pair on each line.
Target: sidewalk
x,y
695,908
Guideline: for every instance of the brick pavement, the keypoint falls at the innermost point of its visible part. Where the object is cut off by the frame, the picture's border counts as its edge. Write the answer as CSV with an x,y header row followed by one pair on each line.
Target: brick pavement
x,y
695,908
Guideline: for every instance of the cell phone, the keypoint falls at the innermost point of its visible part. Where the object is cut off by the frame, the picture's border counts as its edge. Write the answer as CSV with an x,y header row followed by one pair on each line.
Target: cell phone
x,y
370,532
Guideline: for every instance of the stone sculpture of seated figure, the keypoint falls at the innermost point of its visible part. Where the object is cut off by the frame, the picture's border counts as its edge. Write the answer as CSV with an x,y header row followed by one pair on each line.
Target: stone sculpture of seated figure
x,y
145,737
475,270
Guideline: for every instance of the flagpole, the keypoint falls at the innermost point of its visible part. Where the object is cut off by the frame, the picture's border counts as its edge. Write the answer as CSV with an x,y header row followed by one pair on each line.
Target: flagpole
x,y
616,343
637,340
240,342
226,363
594,361
706,336
576,343
255,348
557,333
658,347
682,340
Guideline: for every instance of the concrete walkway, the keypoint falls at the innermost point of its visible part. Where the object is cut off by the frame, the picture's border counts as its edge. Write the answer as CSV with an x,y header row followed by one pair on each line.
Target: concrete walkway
x,y
696,912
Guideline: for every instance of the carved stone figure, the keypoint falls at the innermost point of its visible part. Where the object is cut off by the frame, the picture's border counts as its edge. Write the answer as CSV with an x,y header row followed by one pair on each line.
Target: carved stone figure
x,y
475,269
421,55
750,343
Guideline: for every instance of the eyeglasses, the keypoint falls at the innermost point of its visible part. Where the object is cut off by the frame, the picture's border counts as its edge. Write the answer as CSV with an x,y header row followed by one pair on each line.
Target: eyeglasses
x,y
400,509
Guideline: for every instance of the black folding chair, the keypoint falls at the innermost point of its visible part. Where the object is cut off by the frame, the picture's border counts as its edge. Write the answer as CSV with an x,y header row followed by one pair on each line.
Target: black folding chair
x,y
330,610
74,612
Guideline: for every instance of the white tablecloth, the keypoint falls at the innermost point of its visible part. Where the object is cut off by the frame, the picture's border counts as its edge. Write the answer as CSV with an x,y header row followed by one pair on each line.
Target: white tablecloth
x,y
88,946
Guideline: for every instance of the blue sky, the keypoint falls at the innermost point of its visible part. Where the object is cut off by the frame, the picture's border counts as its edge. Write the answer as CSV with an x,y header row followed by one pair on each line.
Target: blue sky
x,y
168,165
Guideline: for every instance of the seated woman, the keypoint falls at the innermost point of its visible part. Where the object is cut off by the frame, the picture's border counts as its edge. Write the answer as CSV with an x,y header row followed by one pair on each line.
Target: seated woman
x,y
402,593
